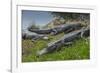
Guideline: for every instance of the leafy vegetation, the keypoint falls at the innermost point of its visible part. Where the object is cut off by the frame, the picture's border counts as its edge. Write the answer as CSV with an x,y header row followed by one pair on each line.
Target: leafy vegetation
x,y
77,51
72,16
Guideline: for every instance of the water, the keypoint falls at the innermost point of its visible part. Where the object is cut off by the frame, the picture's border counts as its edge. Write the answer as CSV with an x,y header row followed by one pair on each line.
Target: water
x,y
39,18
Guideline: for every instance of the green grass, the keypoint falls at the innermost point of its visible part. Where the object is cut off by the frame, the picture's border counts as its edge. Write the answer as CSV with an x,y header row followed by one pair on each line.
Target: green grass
x,y
79,50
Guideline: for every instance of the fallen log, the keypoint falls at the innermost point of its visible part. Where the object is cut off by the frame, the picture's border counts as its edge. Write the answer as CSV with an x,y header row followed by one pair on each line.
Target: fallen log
x,y
58,29
70,37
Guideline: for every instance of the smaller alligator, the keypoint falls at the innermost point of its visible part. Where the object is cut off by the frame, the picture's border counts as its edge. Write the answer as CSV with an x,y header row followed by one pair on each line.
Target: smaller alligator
x,y
58,29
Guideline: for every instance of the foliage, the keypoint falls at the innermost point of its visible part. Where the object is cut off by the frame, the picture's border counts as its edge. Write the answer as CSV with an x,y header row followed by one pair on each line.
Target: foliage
x,y
72,16
77,51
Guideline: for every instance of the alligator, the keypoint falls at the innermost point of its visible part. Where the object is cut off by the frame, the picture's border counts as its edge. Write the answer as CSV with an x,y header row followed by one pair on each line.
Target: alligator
x,y
57,29
67,38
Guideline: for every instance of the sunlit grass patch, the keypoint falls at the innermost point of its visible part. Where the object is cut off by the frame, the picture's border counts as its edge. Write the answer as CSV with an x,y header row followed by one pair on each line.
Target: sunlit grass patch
x,y
79,50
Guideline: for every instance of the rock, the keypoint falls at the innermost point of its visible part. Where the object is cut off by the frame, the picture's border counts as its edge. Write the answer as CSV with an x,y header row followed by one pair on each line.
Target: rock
x,y
45,38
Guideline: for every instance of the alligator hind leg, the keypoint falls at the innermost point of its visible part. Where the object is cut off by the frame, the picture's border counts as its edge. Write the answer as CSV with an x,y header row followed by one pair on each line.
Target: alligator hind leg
x,y
68,44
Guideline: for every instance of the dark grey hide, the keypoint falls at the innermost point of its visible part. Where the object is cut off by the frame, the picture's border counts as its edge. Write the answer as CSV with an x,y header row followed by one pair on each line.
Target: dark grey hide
x,y
70,37
58,29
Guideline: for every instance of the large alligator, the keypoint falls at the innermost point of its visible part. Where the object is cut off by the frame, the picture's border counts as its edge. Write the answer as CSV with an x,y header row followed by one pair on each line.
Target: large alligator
x,y
70,37
58,29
